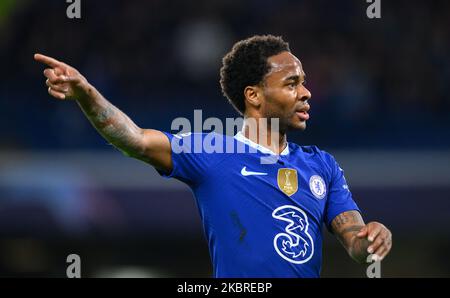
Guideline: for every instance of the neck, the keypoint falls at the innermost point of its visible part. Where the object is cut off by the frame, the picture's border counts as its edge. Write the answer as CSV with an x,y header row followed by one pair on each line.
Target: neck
x,y
264,133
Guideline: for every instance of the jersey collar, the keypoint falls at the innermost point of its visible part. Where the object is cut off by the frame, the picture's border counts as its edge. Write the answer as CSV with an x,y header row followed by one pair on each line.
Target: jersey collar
x,y
240,137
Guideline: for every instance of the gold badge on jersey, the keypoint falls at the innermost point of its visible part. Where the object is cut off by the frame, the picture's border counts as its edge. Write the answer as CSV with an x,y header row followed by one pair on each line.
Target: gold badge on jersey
x,y
287,181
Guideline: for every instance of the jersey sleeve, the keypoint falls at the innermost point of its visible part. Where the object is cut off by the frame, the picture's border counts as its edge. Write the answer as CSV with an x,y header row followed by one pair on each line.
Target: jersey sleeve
x,y
339,197
192,156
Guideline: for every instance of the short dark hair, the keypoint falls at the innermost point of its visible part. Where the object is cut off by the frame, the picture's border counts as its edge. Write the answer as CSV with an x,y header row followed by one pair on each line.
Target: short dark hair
x,y
246,65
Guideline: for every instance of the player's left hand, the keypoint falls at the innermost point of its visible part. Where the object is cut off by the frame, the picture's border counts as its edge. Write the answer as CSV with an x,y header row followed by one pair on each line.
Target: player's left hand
x,y
380,239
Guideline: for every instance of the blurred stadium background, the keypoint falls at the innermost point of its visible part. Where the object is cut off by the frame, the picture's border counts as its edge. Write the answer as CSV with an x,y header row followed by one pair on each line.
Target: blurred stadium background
x,y
380,104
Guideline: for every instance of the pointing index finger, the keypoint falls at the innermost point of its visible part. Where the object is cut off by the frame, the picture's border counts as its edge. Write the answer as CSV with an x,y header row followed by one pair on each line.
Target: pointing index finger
x,y
47,60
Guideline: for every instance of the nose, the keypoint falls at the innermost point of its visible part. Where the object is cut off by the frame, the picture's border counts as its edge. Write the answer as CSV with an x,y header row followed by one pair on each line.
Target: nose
x,y
304,93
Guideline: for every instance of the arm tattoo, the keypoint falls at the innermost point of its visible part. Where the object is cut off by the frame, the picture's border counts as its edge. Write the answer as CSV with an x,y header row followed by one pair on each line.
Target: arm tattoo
x,y
346,226
354,229
112,124
105,114
345,218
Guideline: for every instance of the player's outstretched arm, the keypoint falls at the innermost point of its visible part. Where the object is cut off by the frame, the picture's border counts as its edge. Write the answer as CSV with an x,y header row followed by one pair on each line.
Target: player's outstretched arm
x,y
361,240
65,82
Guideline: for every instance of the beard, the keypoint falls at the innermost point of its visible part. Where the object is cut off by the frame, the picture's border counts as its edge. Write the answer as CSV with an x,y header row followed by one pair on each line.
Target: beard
x,y
294,123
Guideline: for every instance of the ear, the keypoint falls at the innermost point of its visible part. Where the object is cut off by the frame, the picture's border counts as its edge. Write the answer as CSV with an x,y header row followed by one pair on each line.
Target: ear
x,y
253,95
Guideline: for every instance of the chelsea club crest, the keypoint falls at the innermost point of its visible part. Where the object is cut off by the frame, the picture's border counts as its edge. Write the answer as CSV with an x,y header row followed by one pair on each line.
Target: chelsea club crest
x,y
317,186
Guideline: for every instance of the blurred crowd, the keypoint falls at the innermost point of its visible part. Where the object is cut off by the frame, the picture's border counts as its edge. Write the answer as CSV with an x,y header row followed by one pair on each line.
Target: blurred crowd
x,y
375,82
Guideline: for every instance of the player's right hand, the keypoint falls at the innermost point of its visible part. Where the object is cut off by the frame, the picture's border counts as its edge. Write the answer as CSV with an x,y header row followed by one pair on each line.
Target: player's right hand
x,y
63,81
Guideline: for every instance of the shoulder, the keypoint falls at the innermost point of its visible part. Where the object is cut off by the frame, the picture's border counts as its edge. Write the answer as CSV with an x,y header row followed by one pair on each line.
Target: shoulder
x,y
199,135
315,155
311,151
195,137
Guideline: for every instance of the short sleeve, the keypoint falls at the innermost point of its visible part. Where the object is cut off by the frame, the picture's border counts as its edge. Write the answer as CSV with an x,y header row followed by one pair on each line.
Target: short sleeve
x,y
339,197
192,156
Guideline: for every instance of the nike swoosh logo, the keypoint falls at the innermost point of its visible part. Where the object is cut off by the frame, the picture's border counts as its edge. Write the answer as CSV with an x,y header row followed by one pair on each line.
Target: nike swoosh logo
x,y
244,172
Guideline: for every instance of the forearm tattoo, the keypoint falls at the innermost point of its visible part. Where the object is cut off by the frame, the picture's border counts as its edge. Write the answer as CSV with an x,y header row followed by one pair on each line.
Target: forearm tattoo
x,y
113,125
346,226
355,229
345,218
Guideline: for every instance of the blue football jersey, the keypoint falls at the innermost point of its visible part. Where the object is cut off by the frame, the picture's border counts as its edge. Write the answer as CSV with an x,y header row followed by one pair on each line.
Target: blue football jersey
x,y
261,220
